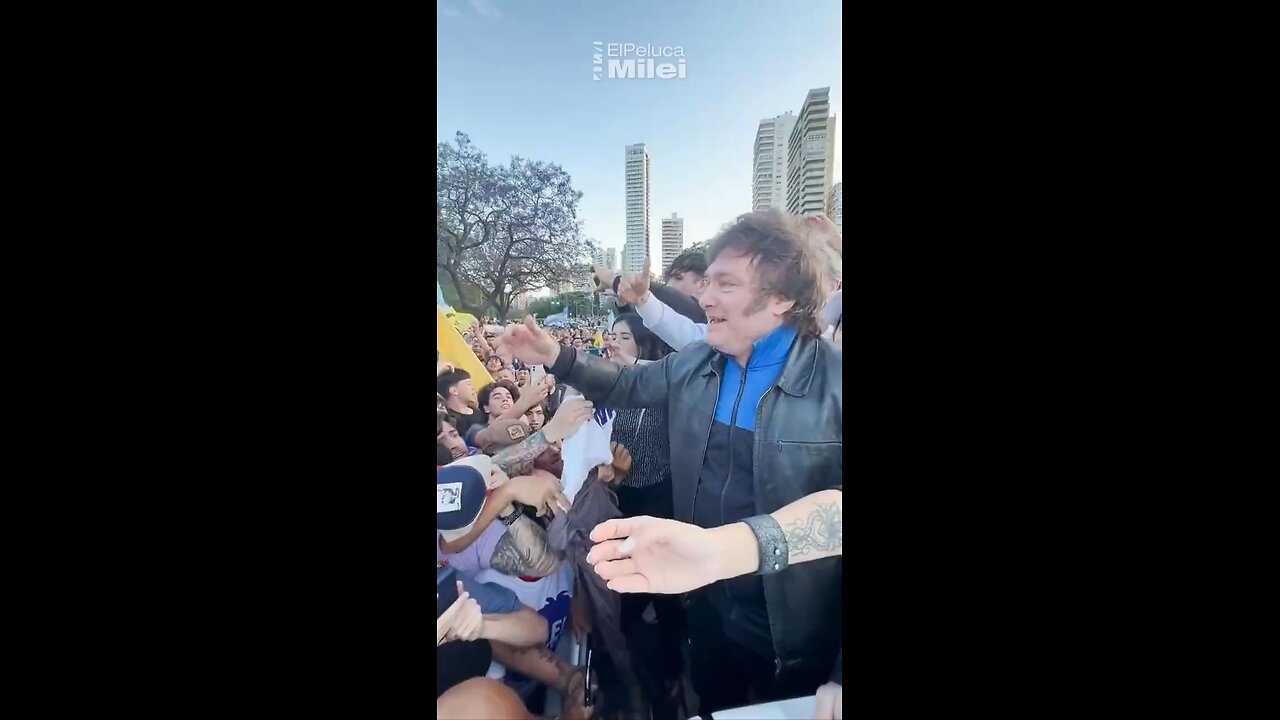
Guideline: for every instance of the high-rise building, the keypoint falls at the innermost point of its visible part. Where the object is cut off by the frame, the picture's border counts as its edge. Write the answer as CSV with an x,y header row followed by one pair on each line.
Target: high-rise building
x,y
769,162
637,243
811,155
672,240
835,208
606,257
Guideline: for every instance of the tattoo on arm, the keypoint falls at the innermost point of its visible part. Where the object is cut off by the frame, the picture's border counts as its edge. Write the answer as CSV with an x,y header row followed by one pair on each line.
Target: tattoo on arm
x,y
524,550
822,531
518,459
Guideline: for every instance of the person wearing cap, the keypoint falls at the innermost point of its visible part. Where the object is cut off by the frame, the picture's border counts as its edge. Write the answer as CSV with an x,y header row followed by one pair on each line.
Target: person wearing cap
x,y
513,544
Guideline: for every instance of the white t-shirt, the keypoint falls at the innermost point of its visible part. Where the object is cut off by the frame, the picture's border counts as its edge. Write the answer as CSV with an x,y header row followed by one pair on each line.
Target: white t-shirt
x,y
585,449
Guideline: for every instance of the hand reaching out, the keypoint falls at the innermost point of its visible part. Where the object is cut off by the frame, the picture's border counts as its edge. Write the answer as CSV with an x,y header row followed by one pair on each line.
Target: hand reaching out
x,y
541,491
571,416
530,343
633,289
604,278
656,556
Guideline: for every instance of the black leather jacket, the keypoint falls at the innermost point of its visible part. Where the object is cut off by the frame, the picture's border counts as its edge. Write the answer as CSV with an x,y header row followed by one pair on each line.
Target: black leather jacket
x,y
798,438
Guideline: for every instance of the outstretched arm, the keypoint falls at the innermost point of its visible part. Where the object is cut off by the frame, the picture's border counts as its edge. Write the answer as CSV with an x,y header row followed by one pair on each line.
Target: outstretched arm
x,y
675,329
666,556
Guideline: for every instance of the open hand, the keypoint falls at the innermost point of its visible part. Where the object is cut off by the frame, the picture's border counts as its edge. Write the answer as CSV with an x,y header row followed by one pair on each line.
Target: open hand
x,y
656,556
530,343
541,491
571,416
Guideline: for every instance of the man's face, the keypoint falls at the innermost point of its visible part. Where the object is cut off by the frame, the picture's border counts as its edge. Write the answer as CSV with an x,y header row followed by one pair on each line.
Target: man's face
x,y
737,314
475,349
687,282
493,364
523,377
505,374
452,441
577,343
536,418
499,402
466,393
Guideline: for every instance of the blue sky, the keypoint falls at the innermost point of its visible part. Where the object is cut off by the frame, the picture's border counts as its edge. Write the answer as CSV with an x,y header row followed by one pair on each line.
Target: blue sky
x,y
516,76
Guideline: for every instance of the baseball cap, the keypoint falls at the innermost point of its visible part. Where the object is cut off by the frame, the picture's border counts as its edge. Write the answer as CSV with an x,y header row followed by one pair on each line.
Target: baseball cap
x,y
501,433
460,492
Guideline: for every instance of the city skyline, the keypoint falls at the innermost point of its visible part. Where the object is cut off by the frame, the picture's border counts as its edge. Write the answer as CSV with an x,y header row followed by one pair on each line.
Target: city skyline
x,y
517,79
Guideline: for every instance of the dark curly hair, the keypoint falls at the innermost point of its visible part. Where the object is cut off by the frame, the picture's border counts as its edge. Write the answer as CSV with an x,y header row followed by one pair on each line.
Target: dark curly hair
x,y
487,390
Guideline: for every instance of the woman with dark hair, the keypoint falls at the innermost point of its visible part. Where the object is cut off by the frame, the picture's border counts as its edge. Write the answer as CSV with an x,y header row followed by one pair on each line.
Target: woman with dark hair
x,y
646,490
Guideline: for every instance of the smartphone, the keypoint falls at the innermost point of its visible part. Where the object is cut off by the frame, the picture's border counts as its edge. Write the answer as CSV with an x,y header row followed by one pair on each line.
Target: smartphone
x,y
536,373
446,588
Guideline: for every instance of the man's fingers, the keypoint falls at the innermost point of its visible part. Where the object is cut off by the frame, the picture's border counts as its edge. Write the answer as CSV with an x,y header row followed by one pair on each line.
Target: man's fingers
x,y
647,264
560,500
530,323
630,584
620,527
606,551
616,568
447,616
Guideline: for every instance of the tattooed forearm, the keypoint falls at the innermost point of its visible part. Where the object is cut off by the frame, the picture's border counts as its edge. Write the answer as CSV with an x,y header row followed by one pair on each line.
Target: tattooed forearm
x,y
542,665
813,525
523,550
518,459
821,531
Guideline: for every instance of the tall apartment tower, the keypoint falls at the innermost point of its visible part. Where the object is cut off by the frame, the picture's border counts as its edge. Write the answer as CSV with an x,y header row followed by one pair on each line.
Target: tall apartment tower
x,y
835,208
811,155
637,243
769,163
672,240
611,258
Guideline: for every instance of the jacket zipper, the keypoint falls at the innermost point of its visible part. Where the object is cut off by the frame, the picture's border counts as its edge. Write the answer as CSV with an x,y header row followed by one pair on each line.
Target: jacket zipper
x,y
697,483
755,459
728,480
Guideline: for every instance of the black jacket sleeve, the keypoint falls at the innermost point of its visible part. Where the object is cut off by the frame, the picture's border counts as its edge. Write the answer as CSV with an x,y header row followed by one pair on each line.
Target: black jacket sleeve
x,y
605,383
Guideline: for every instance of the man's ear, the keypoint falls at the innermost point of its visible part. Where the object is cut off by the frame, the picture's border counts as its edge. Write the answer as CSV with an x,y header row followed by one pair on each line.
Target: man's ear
x,y
778,306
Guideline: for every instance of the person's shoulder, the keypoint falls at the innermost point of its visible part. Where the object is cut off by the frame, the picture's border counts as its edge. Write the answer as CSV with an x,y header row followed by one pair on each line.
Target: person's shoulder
x,y
690,357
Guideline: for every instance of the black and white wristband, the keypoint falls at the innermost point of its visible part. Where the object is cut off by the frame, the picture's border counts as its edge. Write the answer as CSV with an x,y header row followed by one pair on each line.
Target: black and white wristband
x,y
771,543
515,515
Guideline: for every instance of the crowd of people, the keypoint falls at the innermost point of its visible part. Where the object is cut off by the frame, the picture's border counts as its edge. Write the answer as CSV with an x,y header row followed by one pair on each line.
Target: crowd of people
x,y
666,488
